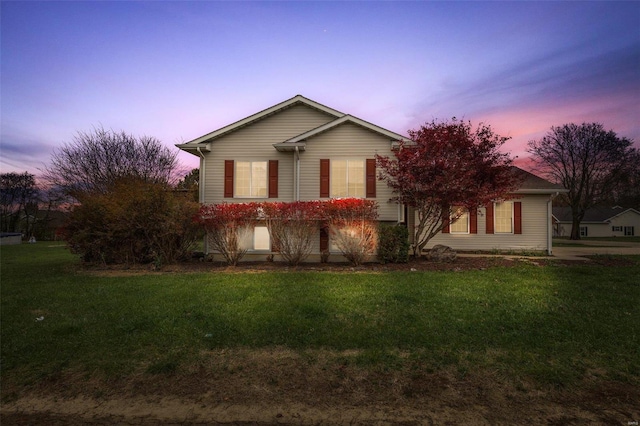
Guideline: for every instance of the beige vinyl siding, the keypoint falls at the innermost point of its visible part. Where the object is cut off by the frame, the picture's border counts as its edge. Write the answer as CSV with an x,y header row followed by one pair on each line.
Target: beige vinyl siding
x,y
255,143
533,237
345,142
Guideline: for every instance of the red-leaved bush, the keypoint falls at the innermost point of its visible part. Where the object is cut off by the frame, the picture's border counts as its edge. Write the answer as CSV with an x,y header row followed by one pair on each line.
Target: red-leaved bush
x,y
293,227
227,225
353,227
447,164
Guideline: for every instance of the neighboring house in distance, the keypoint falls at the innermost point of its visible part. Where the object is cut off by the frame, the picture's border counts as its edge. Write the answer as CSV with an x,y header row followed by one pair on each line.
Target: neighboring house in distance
x,y
302,150
598,222
10,238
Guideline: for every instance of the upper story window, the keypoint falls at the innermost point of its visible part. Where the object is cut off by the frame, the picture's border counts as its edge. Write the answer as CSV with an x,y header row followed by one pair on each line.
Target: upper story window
x,y
460,225
503,217
348,178
251,179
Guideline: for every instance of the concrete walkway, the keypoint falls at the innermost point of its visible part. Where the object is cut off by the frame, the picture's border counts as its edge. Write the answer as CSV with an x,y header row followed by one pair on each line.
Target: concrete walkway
x,y
578,251
592,248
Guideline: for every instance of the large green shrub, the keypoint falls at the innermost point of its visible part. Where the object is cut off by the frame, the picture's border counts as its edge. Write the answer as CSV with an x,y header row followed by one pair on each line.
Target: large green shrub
x,y
132,222
393,244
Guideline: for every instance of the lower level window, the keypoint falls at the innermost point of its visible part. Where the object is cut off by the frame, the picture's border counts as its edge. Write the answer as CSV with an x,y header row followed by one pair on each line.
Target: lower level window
x,y
261,240
629,231
583,231
616,228
257,239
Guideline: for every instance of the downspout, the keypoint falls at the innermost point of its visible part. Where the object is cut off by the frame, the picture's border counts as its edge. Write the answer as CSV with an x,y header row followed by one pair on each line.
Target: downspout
x,y
201,180
201,177
550,224
296,189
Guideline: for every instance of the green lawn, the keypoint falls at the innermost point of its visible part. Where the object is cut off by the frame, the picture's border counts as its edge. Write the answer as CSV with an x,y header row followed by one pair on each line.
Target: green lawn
x,y
551,325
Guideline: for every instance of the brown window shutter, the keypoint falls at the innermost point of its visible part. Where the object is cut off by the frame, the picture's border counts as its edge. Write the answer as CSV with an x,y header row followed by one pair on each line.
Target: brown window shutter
x,y
445,220
228,178
324,178
473,221
324,240
371,178
273,178
517,217
489,218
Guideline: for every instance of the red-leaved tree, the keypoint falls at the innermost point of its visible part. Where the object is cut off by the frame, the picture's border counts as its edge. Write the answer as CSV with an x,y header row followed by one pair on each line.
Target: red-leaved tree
x,y
447,164
293,227
227,226
353,227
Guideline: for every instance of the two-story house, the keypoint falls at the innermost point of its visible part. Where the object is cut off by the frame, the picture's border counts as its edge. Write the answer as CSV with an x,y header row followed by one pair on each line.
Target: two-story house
x,y
302,150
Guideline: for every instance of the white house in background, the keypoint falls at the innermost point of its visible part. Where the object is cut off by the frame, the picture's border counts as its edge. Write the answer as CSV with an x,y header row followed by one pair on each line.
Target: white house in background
x,y
300,149
10,238
598,222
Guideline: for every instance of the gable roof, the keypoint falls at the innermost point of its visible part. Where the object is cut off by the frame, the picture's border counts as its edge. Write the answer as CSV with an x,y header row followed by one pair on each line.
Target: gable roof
x,y
593,215
301,138
532,184
340,118
298,99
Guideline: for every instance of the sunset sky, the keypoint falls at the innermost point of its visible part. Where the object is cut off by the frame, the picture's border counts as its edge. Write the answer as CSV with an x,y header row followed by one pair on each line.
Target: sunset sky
x,y
178,70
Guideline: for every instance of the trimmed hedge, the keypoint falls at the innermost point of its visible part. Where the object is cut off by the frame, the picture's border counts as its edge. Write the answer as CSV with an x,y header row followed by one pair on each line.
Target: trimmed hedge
x,y
393,244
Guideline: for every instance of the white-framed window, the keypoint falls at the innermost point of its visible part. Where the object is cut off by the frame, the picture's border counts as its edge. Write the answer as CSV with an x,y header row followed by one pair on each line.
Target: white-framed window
x,y
344,234
584,231
251,179
256,239
616,228
261,239
503,217
460,225
347,178
629,231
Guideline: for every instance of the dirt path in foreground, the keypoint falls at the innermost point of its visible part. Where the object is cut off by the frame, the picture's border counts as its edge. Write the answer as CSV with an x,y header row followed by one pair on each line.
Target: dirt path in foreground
x,y
280,386
175,411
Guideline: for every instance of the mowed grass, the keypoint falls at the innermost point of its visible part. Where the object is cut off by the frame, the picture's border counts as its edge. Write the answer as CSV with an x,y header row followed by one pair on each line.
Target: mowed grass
x,y
550,325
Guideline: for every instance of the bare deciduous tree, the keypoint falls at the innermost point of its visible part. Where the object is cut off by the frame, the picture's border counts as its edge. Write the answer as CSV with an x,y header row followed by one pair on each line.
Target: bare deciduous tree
x,y
18,196
587,160
94,161
627,191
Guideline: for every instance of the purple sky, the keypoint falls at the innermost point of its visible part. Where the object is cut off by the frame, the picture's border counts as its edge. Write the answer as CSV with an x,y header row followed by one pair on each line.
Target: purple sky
x,y
178,70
